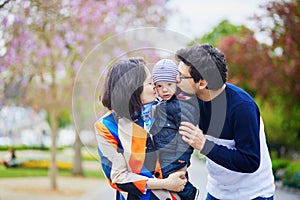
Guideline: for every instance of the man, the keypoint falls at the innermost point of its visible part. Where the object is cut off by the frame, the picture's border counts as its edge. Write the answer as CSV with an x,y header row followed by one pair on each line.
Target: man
x,y
231,131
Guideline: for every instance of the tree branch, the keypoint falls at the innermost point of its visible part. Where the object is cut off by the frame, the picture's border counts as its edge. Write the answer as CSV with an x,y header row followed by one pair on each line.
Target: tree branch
x,y
3,4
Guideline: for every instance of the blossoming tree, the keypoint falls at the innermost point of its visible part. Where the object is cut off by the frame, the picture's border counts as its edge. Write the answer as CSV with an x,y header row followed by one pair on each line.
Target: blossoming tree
x,y
42,44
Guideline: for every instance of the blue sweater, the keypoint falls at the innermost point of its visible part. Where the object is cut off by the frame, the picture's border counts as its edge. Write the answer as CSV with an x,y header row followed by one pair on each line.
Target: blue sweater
x,y
238,161
235,116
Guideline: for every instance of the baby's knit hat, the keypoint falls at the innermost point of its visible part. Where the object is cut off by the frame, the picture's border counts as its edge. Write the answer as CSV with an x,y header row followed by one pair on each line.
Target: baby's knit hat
x,y
164,70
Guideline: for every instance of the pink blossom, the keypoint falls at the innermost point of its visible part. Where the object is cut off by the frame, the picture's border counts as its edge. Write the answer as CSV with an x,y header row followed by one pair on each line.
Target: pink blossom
x,y
12,55
79,49
59,66
117,52
18,20
80,37
125,2
86,23
76,65
102,30
112,4
25,80
70,36
58,42
3,68
159,2
4,21
44,51
75,4
65,52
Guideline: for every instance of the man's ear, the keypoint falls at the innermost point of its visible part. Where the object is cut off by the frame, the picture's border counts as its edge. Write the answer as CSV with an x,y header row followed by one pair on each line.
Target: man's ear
x,y
202,84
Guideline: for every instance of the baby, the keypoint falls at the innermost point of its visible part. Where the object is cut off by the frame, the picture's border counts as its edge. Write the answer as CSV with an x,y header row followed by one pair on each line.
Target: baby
x,y
174,153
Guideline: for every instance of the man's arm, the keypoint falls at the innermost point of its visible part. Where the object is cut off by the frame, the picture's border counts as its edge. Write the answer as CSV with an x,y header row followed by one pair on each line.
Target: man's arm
x,y
245,157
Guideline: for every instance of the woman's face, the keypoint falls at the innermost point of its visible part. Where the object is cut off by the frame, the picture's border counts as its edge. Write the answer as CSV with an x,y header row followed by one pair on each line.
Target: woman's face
x,y
148,94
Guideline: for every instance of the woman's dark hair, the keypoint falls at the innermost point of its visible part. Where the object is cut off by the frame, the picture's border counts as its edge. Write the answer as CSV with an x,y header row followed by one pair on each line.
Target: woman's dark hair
x,y
124,86
206,63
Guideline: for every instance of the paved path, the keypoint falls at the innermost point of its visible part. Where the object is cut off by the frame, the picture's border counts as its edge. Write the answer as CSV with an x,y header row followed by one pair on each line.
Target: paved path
x,y
198,176
38,188
72,188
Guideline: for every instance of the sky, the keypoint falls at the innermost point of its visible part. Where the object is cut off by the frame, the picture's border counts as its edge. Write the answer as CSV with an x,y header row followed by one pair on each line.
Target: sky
x,y
197,17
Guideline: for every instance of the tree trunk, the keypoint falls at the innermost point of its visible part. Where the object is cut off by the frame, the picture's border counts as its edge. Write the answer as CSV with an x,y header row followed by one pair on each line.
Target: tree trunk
x,y
283,151
53,167
77,169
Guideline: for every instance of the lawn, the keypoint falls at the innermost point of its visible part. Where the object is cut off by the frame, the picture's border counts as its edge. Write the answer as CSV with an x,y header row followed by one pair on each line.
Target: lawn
x,y
35,163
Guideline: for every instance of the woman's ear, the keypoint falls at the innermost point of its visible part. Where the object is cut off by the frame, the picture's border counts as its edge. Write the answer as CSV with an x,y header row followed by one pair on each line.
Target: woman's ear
x,y
202,84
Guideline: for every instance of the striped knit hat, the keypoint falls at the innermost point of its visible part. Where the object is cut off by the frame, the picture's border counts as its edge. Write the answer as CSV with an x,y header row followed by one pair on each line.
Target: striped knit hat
x,y
164,70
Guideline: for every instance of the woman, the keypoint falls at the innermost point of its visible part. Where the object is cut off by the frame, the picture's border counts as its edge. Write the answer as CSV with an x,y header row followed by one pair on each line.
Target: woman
x,y
127,153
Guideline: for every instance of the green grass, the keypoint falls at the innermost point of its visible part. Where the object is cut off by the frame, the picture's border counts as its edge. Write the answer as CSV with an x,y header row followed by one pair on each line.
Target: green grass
x,y
24,147
21,172
31,172
93,174
89,157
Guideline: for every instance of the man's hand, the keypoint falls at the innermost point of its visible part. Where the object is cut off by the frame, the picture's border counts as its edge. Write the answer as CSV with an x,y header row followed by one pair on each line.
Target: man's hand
x,y
192,135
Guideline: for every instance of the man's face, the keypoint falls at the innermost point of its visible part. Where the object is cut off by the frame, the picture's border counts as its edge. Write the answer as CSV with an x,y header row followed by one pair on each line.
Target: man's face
x,y
185,81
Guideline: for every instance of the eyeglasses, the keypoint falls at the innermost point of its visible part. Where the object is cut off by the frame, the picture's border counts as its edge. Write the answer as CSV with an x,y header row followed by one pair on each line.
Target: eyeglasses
x,y
182,76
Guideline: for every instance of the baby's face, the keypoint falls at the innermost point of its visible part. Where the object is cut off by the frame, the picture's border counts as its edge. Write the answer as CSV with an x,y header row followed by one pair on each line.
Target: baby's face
x,y
165,90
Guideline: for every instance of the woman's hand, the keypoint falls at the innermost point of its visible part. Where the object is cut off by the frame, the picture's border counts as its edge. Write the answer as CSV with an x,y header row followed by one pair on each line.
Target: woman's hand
x,y
192,135
176,181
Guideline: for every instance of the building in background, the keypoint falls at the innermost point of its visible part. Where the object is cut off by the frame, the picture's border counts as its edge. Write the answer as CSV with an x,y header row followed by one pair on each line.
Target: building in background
x,y
24,126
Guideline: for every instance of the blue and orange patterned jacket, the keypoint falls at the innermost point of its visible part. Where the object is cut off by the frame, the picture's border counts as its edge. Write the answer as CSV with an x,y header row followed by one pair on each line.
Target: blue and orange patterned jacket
x,y
128,158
